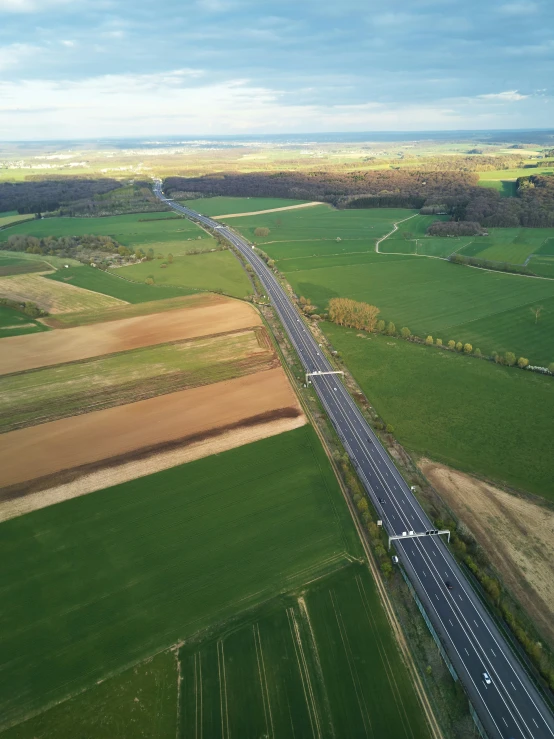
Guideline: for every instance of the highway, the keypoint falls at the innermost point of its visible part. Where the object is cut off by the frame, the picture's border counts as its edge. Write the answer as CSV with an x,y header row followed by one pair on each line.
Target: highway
x,y
510,707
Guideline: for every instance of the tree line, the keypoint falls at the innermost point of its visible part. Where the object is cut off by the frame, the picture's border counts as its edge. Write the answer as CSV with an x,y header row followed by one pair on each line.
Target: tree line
x,y
364,317
455,193
38,195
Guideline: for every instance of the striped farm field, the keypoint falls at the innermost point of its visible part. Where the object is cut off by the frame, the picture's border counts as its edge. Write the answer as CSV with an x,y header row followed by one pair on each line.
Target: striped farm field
x,y
512,245
322,664
51,296
123,573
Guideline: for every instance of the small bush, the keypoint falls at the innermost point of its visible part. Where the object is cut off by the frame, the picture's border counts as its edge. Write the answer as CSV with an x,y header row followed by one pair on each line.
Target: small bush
x,y
451,344
468,348
438,342
405,332
522,362
429,341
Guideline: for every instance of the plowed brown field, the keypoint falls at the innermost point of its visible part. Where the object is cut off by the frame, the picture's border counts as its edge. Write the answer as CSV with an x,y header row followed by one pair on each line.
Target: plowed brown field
x,y
515,532
56,452
68,345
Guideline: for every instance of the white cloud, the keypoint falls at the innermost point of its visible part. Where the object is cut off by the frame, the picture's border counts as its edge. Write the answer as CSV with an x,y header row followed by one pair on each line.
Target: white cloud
x,y
66,42
524,7
13,55
509,96
32,6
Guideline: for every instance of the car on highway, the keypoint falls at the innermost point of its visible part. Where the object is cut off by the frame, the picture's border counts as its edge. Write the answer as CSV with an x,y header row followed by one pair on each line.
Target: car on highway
x,y
395,560
449,585
486,678
381,500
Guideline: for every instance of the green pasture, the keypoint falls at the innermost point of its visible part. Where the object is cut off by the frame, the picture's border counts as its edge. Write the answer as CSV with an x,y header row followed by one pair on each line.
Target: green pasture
x,y
219,271
512,245
513,174
7,219
163,232
471,414
118,575
12,264
50,393
14,323
139,703
507,188
320,223
109,283
322,666
491,310
336,260
221,205
542,266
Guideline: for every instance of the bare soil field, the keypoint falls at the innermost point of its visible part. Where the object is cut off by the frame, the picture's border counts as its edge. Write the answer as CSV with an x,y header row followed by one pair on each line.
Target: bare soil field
x,y
55,453
116,474
69,345
54,297
517,534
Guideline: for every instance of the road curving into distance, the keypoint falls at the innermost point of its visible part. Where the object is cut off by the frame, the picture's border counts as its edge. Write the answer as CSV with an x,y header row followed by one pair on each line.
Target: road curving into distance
x,y
508,705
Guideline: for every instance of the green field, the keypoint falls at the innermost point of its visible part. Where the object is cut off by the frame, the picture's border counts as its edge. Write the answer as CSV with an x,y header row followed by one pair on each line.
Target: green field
x,y
49,393
507,188
107,283
511,245
474,415
319,223
513,174
221,205
219,271
139,703
163,232
6,219
542,266
14,323
117,575
320,665
12,264
411,238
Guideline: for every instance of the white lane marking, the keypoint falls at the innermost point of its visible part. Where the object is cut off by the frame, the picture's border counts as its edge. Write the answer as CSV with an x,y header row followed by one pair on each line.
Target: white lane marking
x,y
513,686
536,724
475,622
503,719
465,650
493,654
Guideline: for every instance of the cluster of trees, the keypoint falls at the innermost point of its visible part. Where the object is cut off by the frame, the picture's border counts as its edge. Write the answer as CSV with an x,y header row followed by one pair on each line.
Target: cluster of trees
x,y
64,246
37,195
453,192
346,312
455,228
467,550
28,307
489,264
261,232
134,198
375,534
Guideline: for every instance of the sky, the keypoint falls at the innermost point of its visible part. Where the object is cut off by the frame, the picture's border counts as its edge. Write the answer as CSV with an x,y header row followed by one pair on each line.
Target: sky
x,y
115,68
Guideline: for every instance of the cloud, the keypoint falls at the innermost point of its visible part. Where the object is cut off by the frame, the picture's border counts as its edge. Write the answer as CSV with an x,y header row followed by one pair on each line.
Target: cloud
x,y
13,55
186,102
32,6
509,96
519,8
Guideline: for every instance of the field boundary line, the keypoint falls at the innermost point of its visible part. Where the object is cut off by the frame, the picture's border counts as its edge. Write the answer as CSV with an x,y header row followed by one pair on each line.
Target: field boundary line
x,y
366,718
223,691
263,680
269,210
311,703
385,659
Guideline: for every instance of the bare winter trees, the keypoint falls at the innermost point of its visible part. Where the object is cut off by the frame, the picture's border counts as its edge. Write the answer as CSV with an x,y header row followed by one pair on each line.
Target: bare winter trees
x,y
346,312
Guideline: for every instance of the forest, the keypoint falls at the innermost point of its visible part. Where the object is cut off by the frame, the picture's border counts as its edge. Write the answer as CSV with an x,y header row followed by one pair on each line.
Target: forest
x,y
454,193
38,195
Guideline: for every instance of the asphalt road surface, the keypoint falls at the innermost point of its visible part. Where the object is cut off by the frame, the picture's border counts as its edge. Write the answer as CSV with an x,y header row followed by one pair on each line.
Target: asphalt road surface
x,y
509,705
